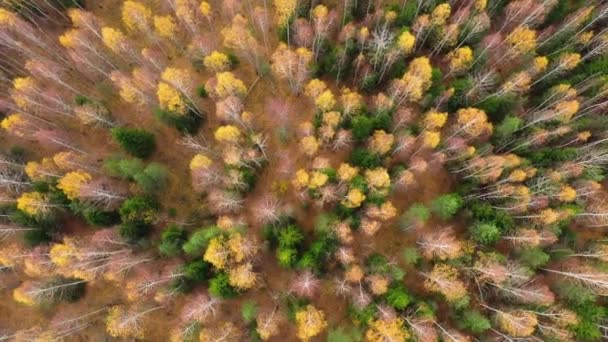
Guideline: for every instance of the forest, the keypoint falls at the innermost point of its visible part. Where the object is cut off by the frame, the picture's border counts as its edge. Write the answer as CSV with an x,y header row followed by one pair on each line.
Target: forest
x,y
298,170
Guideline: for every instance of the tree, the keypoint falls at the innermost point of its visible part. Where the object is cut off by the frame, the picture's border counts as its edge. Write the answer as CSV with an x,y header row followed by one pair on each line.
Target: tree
x,y
293,66
219,286
387,330
310,322
135,141
441,244
485,233
49,291
172,240
217,62
443,279
474,321
397,297
124,322
446,206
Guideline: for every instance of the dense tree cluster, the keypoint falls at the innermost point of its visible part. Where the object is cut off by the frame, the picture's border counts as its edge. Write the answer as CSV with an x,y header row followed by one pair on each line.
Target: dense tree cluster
x,y
422,170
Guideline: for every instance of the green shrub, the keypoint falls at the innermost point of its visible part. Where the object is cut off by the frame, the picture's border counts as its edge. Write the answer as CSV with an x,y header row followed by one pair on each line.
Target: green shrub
x,y
484,232
397,297
362,127
133,231
411,256
201,91
446,206
287,257
172,240
123,167
290,237
364,158
96,217
197,243
188,123
416,213
219,286
473,321
137,142
153,178
138,209
197,271
533,257
249,311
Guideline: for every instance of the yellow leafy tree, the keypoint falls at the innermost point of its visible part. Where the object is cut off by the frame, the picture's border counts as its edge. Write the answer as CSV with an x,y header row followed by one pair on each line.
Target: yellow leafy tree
x,y
165,26
354,198
33,203
440,14
309,145
284,10
473,121
227,133
521,41
516,323
217,61
406,42
228,84
217,253
434,120
310,322
315,87
171,99
382,330
317,180
460,59
325,101
381,142
136,16
242,276
346,172
444,279
114,39
200,161
301,179
72,183
205,10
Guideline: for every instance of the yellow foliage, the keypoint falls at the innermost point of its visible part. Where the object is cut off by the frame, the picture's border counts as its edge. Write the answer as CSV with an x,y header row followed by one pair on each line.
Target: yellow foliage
x,y
20,296
566,109
354,198
217,253
315,87
517,323
540,64
7,18
518,175
227,133
383,330
567,194
113,38
443,279
569,61
346,172
228,84
431,139
136,16
378,178
116,327
242,276
33,203
381,142
317,180
216,61
310,322
325,101
165,26
417,79
440,14
522,40
14,124
473,121
68,39
301,180
200,161
320,11
309,145
406,42
351,101
434,120
284,9
62,254
461,59
170,99
205,9
332,118
72,182
41,171
480,5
